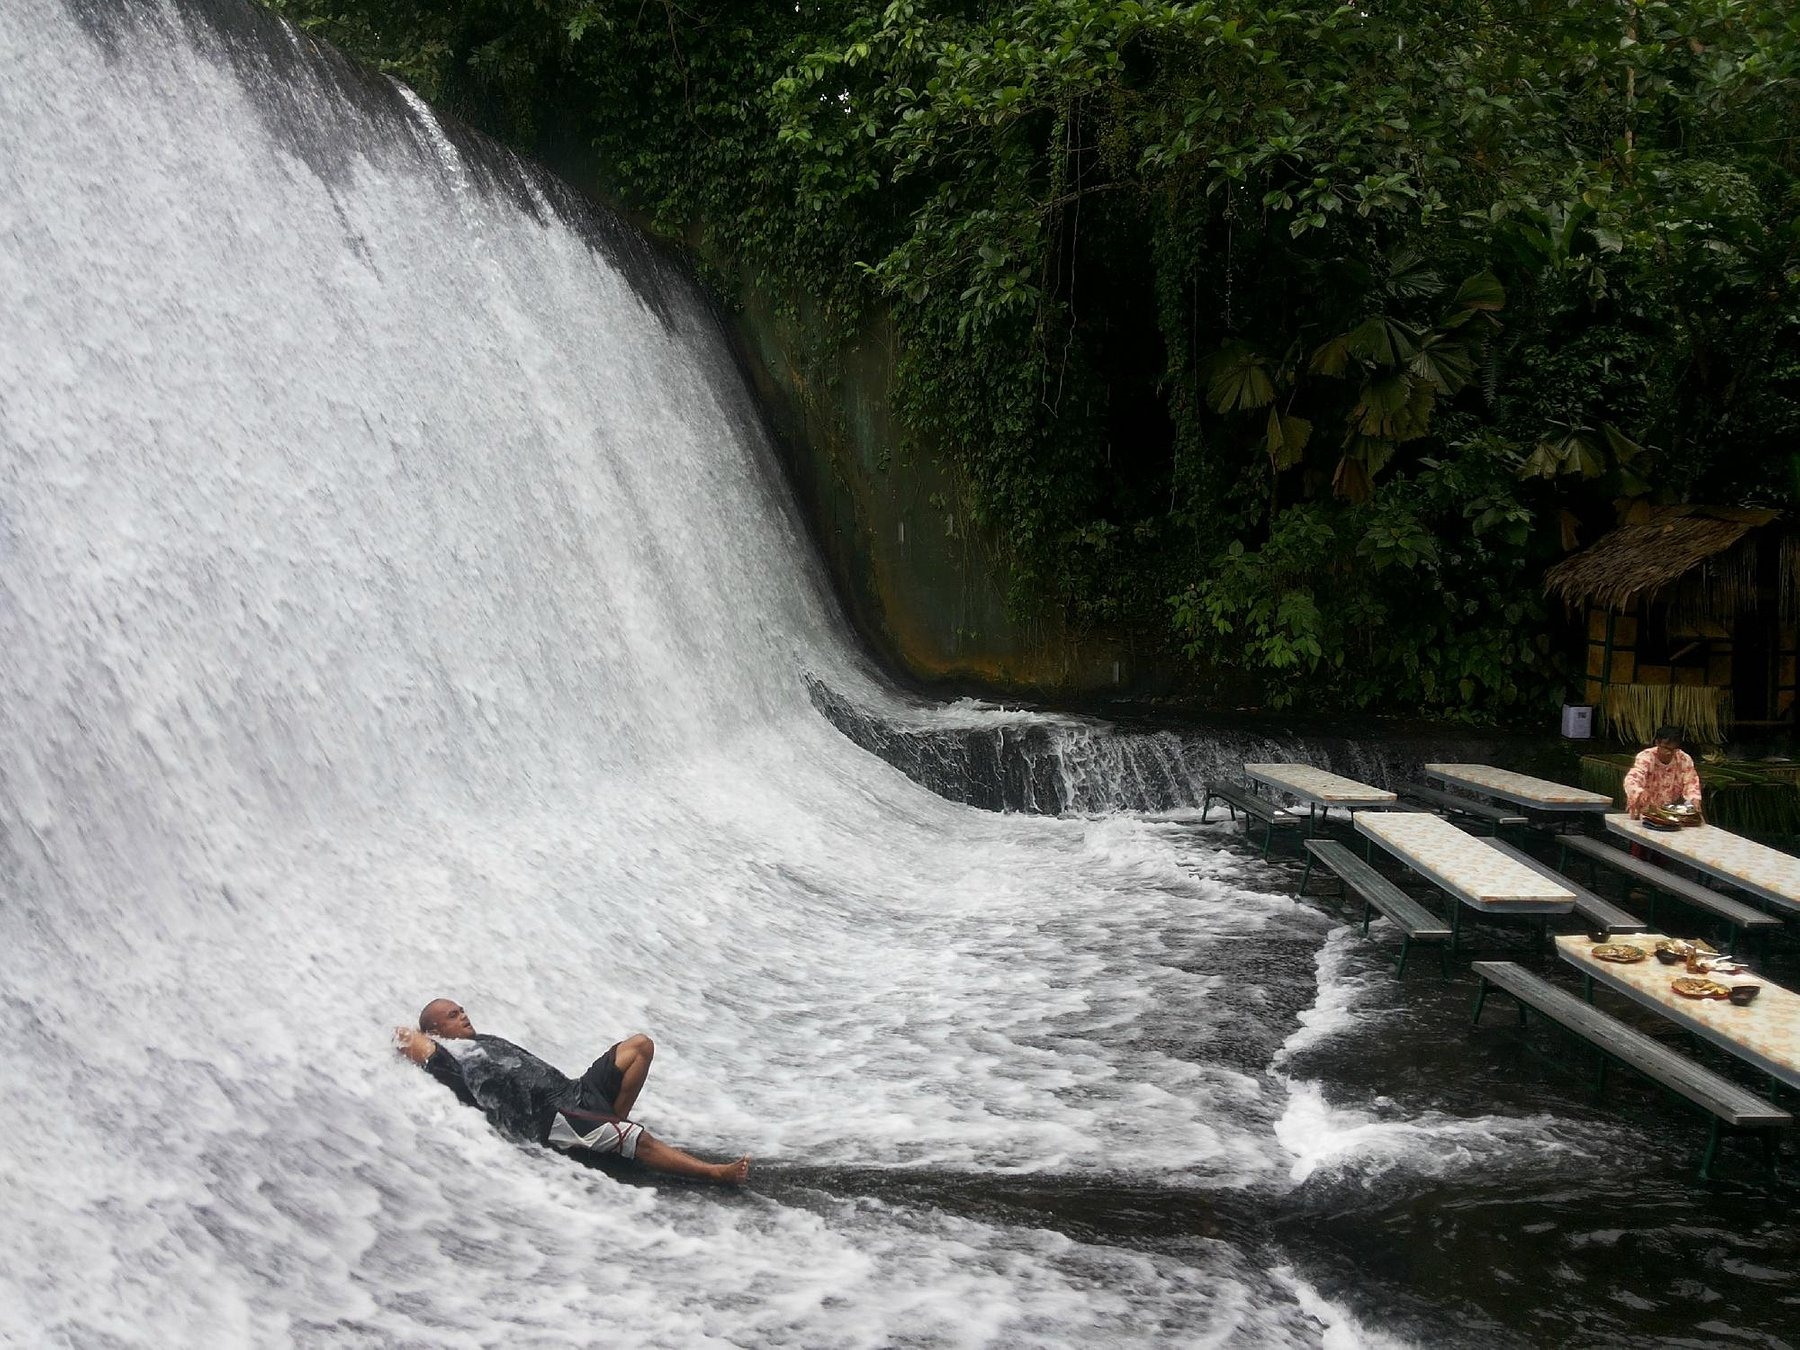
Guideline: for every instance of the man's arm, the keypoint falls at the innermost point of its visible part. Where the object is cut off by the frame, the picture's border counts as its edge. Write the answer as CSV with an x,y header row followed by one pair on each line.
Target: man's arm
x,y
436,1061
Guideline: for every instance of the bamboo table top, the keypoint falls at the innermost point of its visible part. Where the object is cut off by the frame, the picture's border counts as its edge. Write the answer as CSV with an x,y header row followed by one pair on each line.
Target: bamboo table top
x,y
1765,1033
1519,789
1470,869
1318,786
1756,868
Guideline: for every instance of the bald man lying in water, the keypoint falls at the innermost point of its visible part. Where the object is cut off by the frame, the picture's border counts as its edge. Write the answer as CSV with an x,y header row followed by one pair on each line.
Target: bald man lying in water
x,y
528,1099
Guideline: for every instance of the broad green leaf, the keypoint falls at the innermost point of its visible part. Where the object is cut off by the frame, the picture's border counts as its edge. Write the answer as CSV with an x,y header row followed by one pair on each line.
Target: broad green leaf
x,y
1446,365
1351,481
1623,447
1570,453
1543,462
1383,341
1239,380
1482,291
1393,407
1333,358
1410,278
1584,457
1287,438
1373,453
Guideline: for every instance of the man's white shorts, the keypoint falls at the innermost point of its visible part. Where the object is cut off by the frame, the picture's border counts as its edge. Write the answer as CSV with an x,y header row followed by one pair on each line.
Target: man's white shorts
x,y
604,1136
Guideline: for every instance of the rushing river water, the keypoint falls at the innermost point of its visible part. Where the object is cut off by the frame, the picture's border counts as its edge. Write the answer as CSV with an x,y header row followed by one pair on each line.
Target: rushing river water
x,y
397,599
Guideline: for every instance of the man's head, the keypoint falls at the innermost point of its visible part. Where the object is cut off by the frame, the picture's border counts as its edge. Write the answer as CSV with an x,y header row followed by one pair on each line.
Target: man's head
x,y
446,1020
1668,741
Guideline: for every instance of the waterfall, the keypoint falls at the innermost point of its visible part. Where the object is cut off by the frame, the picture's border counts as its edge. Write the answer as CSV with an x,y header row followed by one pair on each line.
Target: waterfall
x,y
398,599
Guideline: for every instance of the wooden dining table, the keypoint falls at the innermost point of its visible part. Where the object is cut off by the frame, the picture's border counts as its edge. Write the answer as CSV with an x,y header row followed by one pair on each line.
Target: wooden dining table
x,y
1519,789
1320,789
1471,871
1765,1033
1765,872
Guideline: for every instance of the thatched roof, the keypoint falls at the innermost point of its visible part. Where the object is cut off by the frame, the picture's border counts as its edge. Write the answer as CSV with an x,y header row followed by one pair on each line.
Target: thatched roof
x,y
1656,549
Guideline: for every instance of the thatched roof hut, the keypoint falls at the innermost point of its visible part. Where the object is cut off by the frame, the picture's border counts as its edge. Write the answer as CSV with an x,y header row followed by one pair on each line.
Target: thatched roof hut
x,y
1701,560
1689,614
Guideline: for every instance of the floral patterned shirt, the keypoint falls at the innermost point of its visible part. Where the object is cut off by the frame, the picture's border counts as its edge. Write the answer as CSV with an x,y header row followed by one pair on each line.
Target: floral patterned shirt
x,y
1653,783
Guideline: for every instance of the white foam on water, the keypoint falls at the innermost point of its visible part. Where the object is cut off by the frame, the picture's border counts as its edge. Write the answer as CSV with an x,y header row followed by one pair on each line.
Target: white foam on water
x,y
1342,1331
395,602
397,599
1366,1143
1342,988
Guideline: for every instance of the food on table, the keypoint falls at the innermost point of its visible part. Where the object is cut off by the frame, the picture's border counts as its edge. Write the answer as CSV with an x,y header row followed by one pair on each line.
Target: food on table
x,y
1682,946
1622,952
1698,986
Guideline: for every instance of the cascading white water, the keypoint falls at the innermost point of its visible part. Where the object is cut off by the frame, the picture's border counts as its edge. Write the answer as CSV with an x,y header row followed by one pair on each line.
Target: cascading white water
x,y
397,599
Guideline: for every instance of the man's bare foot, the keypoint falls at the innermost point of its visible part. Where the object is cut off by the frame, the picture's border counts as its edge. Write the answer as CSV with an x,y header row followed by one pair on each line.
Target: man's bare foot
x,y
732,1174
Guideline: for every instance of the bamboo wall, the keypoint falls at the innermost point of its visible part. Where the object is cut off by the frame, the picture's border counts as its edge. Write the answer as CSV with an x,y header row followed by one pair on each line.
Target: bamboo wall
x,y
1691,685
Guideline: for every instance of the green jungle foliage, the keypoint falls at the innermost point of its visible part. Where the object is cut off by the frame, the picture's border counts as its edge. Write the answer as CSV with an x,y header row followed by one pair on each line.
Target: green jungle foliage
x,y
1296,335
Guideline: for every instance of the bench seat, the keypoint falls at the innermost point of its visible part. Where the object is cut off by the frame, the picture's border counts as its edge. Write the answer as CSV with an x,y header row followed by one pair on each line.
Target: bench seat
x,y
1456,804
1728,1103
1415,922
1734,913
1595,911
1238,799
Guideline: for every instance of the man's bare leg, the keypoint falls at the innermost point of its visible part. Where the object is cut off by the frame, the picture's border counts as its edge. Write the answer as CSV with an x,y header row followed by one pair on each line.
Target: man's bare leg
x,y
661,1157
632,1059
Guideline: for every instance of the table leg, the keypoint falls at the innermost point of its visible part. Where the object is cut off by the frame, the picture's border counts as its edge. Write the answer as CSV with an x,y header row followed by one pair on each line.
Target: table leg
x,y
1712,1149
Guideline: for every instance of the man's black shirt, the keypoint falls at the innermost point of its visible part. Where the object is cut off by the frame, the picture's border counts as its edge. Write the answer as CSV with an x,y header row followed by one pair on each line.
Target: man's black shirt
x,y
516,1090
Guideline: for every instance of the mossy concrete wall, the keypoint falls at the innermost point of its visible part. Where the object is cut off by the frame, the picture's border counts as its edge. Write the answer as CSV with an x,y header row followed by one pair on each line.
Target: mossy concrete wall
x,y
926,589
